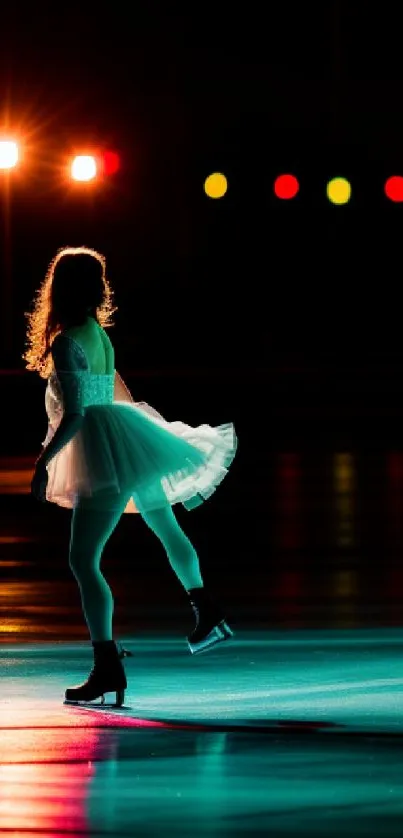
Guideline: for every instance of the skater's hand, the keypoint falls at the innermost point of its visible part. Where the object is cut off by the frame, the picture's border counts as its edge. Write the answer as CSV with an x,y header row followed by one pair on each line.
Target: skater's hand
x,y
39,481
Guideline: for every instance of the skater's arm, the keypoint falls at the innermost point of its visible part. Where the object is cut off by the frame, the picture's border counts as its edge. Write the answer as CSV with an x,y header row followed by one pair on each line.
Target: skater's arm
x,y
69,426
121,392
69,374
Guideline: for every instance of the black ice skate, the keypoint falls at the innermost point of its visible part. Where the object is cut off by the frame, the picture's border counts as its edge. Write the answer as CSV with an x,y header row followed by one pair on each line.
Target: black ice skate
x,y
107,676
211,627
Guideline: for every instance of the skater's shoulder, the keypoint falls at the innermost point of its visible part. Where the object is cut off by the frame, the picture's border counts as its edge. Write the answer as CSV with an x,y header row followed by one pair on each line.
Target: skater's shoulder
x,y
67,353
88,332
85,346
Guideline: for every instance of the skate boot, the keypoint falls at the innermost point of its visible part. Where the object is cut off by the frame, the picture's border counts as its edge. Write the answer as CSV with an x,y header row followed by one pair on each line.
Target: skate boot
x,y
106,676
211,627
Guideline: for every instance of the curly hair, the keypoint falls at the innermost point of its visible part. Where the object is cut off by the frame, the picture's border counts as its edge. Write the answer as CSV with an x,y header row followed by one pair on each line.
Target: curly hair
x,y
75,285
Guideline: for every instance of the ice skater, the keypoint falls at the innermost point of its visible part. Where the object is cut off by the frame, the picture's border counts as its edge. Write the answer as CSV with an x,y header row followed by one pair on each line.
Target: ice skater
x,y
105,454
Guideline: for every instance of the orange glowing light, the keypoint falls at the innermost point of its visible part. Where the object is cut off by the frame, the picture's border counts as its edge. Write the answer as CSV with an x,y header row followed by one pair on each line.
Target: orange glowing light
x,y
9,154
216,185
84,167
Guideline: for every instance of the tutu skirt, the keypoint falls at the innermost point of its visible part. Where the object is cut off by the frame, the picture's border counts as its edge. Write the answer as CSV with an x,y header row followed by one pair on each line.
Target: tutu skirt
x,y
128,449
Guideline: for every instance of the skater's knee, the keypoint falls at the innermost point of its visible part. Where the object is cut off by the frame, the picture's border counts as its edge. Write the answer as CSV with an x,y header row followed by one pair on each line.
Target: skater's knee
x,y
80,561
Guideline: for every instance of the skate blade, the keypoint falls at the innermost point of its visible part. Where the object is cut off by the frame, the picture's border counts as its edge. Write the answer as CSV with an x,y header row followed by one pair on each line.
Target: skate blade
x,y
100,702
217,635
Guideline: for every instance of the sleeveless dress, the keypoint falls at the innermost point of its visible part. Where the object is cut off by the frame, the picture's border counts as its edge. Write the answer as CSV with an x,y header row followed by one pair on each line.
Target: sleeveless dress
x,y
125,447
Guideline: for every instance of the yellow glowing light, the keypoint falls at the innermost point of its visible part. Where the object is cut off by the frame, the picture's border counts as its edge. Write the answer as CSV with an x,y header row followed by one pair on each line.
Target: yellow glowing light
x,y
84,168
8,154
216,185
339,190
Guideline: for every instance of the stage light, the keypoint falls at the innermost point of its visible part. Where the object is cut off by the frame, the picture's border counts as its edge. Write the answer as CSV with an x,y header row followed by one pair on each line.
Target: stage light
x,y
110,162
286,187
394,189
84,168
8,154
338,190
216,185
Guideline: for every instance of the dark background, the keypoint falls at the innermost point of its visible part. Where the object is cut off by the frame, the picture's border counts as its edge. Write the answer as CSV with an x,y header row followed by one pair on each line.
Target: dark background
x,y
283,317
246,281
247,284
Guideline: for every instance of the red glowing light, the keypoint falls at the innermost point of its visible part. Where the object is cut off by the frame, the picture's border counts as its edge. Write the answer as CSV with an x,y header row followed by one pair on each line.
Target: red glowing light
x,y
394,188
286,187
110,162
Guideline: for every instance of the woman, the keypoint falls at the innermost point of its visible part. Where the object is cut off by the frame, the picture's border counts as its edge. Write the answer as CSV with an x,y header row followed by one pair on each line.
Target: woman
x,y
105,454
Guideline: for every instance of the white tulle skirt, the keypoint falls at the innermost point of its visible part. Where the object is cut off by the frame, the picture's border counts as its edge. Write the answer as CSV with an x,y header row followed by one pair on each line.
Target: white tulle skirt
x,y
128,450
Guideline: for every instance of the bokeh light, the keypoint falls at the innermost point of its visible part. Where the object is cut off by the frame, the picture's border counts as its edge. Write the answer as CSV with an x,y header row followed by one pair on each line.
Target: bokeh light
x,y
110,162
338,190
286,187
84,168
216,185
394,188
9,154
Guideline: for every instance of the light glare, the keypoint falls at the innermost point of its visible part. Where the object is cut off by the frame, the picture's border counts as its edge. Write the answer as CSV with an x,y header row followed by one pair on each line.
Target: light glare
x,y
84,168
8,154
